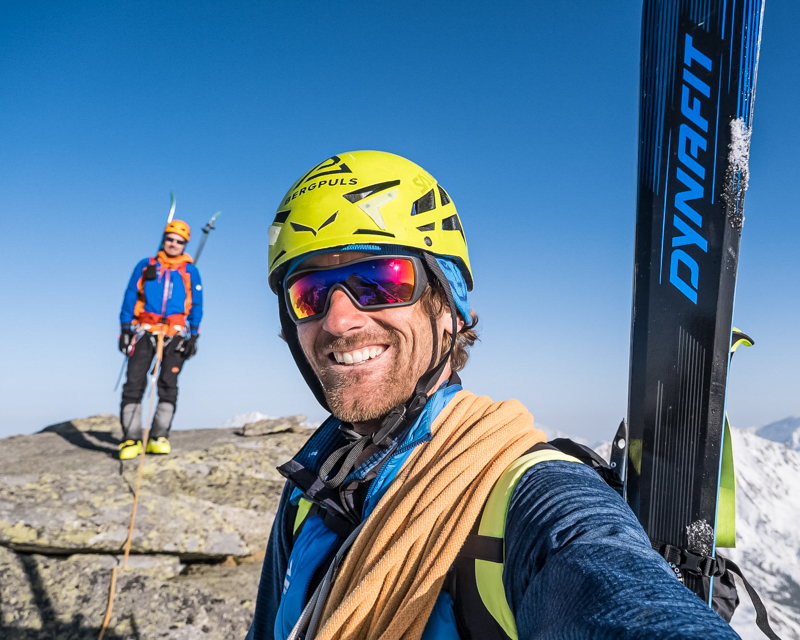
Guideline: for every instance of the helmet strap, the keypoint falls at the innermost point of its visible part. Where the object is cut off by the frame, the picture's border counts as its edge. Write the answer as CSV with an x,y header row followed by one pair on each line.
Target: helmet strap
x,y
406,413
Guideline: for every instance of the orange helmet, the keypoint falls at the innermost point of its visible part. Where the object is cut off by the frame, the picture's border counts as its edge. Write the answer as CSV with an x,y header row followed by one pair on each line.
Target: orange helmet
x,y
179,227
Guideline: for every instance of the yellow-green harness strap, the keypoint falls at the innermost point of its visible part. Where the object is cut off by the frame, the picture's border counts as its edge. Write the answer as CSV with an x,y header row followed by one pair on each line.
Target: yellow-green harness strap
x,y
302,511
489,575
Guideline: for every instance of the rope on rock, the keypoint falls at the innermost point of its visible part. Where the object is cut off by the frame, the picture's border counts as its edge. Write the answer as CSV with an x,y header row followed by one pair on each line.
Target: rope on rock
x,y
146,435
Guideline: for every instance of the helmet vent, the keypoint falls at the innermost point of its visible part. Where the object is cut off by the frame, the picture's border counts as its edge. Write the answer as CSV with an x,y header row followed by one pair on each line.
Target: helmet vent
x,y
425,203
452,223
443,195
427,227
360,194
281,217
373,232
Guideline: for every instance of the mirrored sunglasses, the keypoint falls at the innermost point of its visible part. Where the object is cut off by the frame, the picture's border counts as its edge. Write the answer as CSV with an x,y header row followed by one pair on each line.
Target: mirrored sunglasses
x,y
371,283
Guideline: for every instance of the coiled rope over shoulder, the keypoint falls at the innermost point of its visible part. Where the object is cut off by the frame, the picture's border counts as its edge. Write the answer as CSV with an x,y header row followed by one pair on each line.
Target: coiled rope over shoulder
x,y
389,582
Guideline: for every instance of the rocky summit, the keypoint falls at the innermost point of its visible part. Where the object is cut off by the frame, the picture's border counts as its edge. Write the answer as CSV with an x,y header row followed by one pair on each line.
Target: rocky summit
x,y
202,524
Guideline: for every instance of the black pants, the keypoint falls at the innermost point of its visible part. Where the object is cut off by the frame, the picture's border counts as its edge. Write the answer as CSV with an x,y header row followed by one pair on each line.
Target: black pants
x,y
139,364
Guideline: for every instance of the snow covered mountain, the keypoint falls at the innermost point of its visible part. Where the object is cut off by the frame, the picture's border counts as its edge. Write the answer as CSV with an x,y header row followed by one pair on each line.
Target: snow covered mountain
x,y
767,530
241,419
786,431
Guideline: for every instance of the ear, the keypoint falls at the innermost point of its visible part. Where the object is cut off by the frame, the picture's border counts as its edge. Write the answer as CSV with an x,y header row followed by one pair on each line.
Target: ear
x,y
446,322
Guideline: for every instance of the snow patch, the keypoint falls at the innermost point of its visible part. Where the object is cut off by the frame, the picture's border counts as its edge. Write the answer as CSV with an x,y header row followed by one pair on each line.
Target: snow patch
x,y
737,175
739,149
241,419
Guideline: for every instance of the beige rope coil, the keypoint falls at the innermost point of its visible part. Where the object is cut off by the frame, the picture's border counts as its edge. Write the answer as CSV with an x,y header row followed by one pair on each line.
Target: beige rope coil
x,y
388,584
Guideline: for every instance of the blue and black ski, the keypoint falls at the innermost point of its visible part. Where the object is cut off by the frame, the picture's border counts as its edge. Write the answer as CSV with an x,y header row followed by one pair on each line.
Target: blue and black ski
x,y
698,75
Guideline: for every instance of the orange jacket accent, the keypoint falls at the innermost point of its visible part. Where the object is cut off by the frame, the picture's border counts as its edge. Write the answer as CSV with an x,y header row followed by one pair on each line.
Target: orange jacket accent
x,y
155,323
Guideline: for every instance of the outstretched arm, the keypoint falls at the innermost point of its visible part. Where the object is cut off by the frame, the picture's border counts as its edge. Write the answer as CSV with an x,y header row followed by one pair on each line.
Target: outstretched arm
x,y
579,565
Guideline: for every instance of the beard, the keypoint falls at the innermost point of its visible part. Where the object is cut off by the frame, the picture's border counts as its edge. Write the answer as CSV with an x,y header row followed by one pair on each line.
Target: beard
x,y
361,396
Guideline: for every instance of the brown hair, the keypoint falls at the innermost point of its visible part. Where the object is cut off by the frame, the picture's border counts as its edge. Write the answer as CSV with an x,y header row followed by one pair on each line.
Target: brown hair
x,y
435,303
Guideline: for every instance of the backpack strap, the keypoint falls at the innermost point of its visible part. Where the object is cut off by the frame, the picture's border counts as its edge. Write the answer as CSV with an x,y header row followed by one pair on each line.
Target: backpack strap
x,y
303,511
148,273
482,610
187,285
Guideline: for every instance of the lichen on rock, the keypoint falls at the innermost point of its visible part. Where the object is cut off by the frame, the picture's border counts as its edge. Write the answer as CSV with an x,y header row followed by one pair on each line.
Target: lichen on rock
x,y
202,524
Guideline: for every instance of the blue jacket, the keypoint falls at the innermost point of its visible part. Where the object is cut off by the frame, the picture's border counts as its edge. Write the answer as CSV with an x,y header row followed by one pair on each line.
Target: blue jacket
x,y
578,564
152,300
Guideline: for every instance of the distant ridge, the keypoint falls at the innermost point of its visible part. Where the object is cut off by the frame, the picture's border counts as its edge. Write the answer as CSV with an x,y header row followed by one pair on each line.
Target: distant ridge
x,y
786,431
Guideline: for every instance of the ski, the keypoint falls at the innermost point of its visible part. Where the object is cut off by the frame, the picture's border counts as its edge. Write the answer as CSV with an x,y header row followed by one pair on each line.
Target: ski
x,y
171,207
698,76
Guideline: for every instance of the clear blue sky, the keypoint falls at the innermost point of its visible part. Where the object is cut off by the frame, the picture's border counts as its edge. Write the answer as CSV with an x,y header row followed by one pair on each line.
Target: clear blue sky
x,y
525,111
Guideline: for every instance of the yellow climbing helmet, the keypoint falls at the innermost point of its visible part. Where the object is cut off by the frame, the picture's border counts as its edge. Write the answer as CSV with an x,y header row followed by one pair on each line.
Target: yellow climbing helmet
x,y
366,198
179,227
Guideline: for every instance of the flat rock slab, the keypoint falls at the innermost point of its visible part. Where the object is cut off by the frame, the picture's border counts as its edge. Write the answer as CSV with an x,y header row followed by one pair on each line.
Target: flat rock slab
x,y
65,598
270,426
64,491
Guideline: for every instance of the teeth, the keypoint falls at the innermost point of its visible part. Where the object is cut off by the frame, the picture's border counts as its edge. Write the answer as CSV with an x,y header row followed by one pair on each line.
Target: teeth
x,y
357,357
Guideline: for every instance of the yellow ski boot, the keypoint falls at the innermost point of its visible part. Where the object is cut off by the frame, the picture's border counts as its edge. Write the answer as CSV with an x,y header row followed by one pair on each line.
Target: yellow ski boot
x,y
159,446
130,449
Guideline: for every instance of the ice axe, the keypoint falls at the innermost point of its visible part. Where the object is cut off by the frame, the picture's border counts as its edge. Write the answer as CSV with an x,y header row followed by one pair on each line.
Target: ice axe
x,y
206,230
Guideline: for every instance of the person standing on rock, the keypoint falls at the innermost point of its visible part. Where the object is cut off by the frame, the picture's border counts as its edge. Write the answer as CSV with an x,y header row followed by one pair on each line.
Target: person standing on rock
x,y
164,295
418,509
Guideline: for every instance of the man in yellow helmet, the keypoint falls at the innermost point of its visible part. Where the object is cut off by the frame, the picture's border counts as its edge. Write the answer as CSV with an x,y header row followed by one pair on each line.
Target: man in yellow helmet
x,y
164,295
419,510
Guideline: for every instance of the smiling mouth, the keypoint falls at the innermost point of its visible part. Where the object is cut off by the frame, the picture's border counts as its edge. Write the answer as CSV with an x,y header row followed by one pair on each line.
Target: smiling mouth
x,y
357,356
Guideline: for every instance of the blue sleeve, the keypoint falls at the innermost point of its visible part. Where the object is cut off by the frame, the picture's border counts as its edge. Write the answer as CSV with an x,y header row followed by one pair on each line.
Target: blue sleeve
x,y
129,299
196,312
273,573
583,566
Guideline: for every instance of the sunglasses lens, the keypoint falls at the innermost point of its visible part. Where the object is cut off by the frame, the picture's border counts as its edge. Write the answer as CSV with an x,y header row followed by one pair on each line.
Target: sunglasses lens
x,y
383,281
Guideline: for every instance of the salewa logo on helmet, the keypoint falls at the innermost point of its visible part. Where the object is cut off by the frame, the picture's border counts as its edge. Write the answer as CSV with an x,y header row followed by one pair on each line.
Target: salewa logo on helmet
x,y
282,217
301,227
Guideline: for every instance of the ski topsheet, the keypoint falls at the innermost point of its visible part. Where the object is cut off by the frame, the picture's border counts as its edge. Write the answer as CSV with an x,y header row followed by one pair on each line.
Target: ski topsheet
x,y
698,72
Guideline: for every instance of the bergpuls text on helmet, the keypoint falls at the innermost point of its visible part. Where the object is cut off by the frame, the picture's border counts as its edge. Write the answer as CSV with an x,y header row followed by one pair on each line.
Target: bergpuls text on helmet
x,y
322,183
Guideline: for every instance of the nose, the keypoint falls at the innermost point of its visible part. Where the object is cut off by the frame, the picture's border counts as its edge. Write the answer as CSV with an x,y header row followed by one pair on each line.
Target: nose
x,y
343,315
